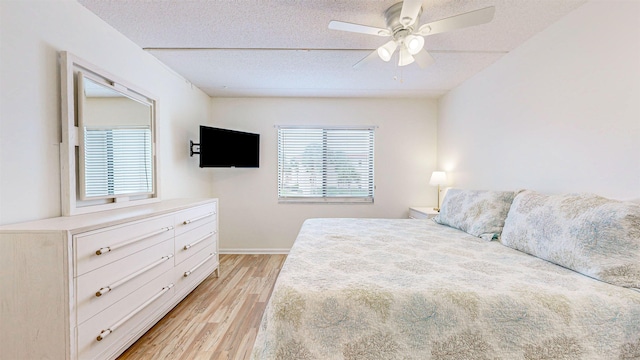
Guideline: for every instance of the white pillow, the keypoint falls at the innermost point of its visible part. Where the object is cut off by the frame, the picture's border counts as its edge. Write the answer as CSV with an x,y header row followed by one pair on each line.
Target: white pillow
x,y
478,212
592,235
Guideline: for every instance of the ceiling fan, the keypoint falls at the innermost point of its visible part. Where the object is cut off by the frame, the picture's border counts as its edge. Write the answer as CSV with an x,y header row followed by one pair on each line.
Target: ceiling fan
x,y
407,35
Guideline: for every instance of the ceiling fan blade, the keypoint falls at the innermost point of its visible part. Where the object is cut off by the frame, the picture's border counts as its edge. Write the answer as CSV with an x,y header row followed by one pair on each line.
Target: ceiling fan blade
x,y
471,18
366,59
410,11
357,28
423,58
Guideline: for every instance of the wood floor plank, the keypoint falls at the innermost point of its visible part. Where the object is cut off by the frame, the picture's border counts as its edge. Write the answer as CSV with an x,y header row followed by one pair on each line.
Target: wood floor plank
x,y
219,319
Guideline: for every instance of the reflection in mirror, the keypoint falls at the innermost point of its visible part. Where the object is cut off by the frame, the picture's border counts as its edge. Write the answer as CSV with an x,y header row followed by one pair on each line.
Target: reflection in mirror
x,y
116,147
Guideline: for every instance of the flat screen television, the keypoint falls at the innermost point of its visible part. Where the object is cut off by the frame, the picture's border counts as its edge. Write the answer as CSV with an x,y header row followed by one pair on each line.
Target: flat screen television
x,y
228,148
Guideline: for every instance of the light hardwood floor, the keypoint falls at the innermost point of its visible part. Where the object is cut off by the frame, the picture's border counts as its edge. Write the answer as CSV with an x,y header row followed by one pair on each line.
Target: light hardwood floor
x,y
219,319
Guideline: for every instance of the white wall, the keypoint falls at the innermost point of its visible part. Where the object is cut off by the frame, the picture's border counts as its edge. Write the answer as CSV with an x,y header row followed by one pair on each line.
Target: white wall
x,y
32,33
405,145
561,113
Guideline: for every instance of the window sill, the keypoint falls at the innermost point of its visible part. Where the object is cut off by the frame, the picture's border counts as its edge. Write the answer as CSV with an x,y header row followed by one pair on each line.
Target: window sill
x,y
324,200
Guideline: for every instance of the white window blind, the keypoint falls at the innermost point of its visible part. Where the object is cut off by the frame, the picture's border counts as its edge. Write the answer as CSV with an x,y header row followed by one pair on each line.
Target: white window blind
x,y
117,161
325,164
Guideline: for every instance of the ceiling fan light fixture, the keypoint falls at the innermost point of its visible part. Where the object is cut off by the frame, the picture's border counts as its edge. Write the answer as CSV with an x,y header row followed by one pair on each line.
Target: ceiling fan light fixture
x,y
414,44
385,51
405,57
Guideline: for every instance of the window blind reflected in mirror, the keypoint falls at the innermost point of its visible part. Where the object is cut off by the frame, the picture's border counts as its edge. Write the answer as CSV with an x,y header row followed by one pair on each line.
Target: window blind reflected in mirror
x,y
118,161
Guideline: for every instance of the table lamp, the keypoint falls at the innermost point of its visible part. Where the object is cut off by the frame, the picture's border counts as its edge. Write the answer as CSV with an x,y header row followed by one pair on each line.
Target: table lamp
x,y
438,178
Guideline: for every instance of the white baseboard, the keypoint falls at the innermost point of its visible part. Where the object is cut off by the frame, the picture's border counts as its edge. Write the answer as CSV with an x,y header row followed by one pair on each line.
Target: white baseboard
x,y
255,251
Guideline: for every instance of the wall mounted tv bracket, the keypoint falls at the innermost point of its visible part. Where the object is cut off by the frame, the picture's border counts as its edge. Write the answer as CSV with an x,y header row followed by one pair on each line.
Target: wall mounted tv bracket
x,y
191,151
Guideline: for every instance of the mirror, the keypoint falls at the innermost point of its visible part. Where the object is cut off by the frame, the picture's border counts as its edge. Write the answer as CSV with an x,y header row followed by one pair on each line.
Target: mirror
x,y
115,141
108,150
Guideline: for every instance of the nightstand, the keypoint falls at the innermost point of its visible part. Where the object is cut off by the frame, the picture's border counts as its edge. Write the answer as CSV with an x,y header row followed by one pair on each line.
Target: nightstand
x,y
420,212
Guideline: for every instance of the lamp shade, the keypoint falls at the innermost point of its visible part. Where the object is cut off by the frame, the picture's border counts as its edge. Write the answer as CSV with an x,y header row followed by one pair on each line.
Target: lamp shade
x,y
414,44
385,51
405,57
438,178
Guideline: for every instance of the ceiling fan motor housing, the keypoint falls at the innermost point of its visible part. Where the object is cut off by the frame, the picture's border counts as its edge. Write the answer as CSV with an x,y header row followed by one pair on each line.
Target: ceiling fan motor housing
x,y
392,17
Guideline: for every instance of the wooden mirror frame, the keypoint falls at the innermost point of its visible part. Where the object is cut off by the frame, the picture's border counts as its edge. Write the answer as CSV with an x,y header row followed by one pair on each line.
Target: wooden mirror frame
x,y
70,65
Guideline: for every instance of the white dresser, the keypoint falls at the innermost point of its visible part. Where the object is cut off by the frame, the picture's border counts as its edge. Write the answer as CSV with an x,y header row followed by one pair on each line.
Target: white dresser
x,y
88,286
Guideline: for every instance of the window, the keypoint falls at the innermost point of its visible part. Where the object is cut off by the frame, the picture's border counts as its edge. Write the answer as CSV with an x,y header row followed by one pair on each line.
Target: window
x,y
105,173
325,164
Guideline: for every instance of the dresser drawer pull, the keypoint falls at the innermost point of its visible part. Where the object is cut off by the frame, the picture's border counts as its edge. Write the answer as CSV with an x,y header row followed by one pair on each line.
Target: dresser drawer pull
x,y
198,218
128,242
186,247
187,273
114,327
106,289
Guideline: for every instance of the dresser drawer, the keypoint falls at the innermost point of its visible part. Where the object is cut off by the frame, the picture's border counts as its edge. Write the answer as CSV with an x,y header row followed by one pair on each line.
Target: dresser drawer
x,y
101,247
101,288
191,242
189,219
196,268
124,318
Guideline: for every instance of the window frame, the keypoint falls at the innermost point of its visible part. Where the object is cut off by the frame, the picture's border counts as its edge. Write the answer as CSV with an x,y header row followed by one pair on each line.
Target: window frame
x,y
367,169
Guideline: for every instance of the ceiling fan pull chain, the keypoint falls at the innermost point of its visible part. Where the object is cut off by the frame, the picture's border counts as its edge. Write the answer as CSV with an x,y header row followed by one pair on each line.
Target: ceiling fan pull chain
x,y
399,77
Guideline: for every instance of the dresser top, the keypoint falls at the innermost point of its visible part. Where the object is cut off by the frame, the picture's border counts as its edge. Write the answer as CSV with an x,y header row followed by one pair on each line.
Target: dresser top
x,y
87,222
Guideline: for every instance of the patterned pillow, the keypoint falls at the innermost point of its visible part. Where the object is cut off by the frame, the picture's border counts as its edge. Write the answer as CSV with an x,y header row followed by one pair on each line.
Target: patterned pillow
x,y
479,213
589,234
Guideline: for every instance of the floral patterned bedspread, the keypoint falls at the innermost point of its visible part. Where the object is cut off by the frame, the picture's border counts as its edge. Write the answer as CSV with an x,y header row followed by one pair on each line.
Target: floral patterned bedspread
x,y
411,289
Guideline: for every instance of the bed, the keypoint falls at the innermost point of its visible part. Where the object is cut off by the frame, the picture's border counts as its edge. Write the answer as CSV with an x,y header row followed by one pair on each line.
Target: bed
x,y
415,289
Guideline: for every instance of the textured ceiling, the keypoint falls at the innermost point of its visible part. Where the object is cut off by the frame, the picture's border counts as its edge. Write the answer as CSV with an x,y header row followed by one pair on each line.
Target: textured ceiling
x,y
284,47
